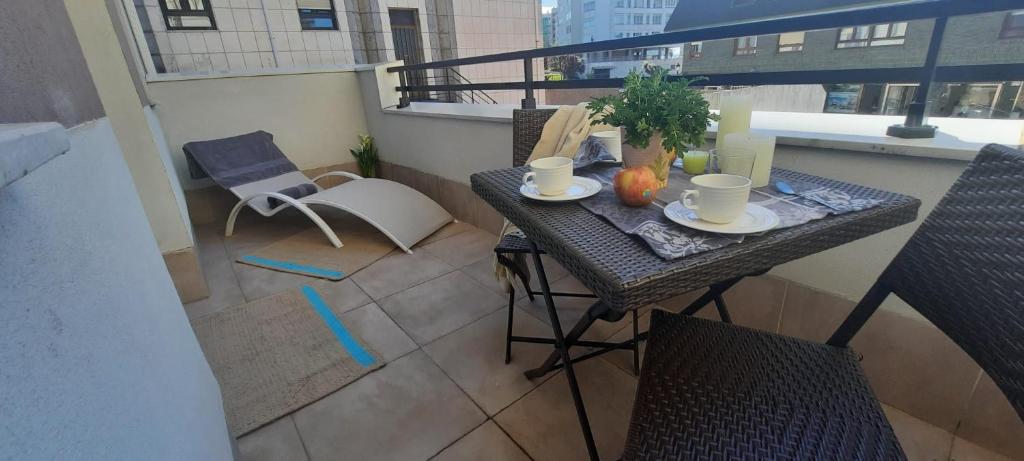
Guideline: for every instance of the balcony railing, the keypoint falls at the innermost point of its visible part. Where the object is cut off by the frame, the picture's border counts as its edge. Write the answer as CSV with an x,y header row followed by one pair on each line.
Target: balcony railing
x,y
938,10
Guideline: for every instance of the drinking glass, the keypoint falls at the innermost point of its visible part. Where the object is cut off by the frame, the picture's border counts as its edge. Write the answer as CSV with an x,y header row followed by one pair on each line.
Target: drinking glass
x,y
737,161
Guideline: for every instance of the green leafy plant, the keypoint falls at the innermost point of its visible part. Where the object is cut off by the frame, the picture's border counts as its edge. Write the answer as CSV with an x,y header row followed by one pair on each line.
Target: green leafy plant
x,y
653,103
366,156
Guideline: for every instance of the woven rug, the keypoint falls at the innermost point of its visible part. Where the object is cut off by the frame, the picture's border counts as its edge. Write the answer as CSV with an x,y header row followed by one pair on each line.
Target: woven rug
x,y
277,354
309,253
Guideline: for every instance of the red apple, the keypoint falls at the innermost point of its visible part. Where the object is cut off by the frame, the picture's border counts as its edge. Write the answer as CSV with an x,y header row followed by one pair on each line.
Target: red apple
x,y
636,186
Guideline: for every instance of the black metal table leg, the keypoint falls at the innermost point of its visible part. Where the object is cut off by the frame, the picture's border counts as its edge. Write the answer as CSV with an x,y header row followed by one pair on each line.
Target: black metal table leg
x,y
563,350
593,313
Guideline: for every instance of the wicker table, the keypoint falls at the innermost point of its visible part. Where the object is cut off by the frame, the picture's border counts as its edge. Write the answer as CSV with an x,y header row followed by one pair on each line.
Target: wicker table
x,y
626,274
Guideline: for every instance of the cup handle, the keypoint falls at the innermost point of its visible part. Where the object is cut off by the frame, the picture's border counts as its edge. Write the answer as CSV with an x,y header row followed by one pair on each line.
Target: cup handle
x,y
685,199
528,179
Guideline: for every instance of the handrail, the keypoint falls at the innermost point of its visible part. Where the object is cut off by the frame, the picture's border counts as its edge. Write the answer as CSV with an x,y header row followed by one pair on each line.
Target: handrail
x,y
939,10
919,9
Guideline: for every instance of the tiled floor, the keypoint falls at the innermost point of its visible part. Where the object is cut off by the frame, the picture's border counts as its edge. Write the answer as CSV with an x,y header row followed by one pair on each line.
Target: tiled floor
x,y
438,319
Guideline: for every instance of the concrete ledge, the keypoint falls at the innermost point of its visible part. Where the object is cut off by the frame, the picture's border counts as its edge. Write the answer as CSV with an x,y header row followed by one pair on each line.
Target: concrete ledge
x,y
27,146
254,73
958,139
187,275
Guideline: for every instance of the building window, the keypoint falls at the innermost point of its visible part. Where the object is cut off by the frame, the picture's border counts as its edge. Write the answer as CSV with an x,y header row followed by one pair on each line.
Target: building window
x,y
746,46
188,14
620,3
670,3
1013,25
638,19
620,19
695,50
656,19
791,41
876,35
657,4
317,15
589,6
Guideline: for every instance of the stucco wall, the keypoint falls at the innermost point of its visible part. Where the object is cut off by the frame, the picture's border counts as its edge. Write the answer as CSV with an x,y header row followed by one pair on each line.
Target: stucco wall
x,y
315,117
39,53
446,147
110,72
97,358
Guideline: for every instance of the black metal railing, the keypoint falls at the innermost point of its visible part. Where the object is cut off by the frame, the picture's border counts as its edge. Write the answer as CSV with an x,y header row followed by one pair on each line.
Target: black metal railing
x,y
450,76
938,10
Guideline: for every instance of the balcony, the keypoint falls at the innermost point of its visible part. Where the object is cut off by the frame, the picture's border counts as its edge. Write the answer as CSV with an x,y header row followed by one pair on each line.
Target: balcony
x,y
110,366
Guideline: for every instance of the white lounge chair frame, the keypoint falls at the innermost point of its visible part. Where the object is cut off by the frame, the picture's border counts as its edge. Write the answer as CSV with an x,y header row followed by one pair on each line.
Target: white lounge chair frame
x,y
415,214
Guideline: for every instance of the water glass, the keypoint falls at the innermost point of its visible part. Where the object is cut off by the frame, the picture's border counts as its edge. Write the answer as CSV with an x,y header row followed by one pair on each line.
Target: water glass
x,y
736,161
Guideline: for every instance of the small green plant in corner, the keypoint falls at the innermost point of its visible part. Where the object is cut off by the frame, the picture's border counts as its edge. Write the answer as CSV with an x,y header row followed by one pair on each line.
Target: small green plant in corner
x,y
366,156
653,104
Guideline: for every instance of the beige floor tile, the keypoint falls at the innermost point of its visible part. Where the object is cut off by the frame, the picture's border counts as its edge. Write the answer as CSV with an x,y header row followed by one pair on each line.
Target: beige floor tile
x,y
483,272
570,310
276,441
220,279
257,282
447,231
624,358
756,302
915,367
474,357
379,332
432,309
964,450
544,422
920,441
464,248
486,442
399,271
991,421
812,314
342,296
408,410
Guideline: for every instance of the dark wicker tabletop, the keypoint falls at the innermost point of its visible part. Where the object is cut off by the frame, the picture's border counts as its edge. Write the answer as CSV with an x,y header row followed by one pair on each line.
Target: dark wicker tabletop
x,y
625,273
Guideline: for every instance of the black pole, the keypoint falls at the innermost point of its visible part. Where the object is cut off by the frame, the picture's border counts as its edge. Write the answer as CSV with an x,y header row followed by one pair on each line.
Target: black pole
x,y
403,101
914,126
528,101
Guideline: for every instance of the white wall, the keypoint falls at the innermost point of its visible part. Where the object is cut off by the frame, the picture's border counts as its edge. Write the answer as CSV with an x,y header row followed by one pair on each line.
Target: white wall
x,y
97,358
315,117
453,148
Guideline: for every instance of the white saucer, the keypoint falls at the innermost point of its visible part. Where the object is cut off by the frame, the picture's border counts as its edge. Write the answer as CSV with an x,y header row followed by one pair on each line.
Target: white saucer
x,y
755,219
581,188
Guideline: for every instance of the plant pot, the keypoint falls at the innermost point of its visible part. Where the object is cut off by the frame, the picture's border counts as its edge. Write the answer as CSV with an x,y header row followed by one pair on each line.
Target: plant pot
x,y
654,156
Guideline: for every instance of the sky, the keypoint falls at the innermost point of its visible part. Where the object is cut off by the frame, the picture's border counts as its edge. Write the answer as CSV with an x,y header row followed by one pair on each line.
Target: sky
x,y
546,5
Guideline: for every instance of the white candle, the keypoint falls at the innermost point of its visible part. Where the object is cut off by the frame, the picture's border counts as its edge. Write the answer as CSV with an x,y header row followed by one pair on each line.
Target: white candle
x,y
735,112
764,148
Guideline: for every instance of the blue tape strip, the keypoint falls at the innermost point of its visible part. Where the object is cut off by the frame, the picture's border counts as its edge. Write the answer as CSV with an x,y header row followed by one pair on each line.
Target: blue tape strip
x,y
294,267
347,341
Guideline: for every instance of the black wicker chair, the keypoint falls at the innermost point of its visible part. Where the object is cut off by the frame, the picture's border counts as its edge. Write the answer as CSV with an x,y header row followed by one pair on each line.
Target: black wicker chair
x,y
527,126
717,391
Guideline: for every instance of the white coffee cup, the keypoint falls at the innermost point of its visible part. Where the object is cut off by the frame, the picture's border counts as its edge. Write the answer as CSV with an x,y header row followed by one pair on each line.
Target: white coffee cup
x,y
550,176
719,198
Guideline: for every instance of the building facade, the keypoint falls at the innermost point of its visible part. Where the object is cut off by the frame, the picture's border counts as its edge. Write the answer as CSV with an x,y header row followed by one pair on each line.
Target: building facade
x,y
583,21
210,36
996,38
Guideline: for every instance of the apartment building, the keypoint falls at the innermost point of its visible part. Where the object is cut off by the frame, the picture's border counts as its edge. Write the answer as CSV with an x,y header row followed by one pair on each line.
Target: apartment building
x,y
980,39
211,36
583,21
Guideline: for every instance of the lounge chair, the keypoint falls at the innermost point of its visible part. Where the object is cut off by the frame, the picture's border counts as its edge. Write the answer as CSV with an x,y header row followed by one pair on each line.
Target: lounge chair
x,y
259,174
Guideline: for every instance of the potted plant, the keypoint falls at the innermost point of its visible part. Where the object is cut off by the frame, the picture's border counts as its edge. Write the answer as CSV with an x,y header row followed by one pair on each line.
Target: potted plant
x,y
366,156
659,117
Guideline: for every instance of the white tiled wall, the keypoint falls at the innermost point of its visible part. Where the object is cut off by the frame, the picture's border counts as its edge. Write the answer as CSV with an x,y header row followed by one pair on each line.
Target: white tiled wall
x,y
246,37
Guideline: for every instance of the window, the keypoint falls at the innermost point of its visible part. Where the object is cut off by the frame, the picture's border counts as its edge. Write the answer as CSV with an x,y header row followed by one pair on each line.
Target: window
x,y
638,19
620,19
317,14
791,41
620,3
589,6
657,4
1013,25
746,46
656,19
188,14
876,35
602,73
695,50
670,3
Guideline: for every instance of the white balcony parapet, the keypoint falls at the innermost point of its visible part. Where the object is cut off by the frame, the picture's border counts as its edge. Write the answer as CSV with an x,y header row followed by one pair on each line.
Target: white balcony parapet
x,y
27,146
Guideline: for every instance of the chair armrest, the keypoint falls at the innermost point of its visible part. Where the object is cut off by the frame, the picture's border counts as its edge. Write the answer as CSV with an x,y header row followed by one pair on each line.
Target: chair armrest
x,y
337,173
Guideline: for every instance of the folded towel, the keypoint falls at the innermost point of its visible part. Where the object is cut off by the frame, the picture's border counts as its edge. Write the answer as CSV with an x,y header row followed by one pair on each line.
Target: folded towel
x,y
295,192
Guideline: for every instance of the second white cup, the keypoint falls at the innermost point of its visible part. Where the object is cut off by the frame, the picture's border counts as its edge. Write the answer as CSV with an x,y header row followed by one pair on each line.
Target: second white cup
x,y
550,176
719,198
